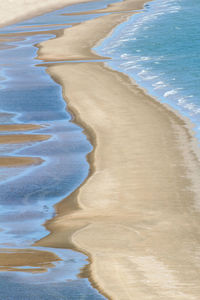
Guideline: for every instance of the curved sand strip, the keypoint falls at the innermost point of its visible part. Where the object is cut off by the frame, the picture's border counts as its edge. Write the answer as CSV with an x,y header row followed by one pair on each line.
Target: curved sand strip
x,y
86,37
137,218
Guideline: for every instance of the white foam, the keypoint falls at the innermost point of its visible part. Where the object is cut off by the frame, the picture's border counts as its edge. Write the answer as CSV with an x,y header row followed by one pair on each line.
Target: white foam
x,y
190,106
127,63
145,58
158,83
124,55
131,67
181,101
142,73
151,77
160,87
169,93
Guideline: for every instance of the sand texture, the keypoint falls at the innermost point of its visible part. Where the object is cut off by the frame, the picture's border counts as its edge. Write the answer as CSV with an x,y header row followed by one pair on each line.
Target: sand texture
x,y
136,216
17,10
16,259
19,127
14,161
22,138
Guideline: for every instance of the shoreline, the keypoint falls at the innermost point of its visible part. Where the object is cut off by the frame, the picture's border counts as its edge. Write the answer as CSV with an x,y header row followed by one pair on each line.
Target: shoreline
x,y
139,200
23,10
120,232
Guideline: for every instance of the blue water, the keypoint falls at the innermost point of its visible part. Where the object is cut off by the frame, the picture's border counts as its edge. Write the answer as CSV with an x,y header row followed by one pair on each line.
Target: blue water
x,y
160,49
28,95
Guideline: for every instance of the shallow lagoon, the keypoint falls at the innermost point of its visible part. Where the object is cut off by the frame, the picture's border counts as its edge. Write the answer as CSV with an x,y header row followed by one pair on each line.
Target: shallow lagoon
x,y
28,193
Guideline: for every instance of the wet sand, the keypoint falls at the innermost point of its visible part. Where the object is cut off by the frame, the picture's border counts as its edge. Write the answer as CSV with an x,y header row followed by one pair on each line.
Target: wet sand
x,y
19,127
28,193
17,259
22,138
15,161
16,138
5,139
136,216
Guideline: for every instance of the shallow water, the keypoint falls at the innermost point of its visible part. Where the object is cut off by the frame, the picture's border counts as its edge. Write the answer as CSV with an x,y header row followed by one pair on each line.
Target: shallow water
x,y
28,193
160,49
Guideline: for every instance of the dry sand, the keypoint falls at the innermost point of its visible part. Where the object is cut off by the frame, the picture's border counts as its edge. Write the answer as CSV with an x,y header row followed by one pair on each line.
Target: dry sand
x,y
12,11
137,215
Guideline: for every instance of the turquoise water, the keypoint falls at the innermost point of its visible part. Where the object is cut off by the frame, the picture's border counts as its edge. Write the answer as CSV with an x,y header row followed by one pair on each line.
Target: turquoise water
x,y
160,49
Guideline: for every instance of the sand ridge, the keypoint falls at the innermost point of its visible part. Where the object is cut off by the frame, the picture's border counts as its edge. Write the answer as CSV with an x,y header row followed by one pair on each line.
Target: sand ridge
x,y
135,216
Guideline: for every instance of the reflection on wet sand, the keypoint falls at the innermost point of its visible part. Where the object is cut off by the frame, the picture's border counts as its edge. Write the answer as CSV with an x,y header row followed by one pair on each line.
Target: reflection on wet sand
x,y
19,127
43,160
35,261
23,259
22,138
19,161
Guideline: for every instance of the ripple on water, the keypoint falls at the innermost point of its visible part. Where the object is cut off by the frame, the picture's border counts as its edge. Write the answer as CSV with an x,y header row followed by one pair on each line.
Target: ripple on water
x,y
47,161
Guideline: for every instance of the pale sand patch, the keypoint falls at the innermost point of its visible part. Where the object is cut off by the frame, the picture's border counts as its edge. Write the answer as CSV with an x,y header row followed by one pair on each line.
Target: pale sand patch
x,y
12,11
17,259
135,216
137,220
138,203
60,49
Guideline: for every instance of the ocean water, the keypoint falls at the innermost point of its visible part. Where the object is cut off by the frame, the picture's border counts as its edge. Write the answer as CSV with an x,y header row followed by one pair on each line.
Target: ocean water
x,y
160,49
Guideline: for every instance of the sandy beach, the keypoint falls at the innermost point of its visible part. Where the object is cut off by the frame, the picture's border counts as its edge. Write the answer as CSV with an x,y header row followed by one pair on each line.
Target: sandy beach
x,y
136,219
136,216
15,11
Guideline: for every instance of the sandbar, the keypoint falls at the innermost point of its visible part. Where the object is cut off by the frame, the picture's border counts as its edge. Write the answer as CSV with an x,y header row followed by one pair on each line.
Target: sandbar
x,y
17,161
136,216
19,127
16,259
22,138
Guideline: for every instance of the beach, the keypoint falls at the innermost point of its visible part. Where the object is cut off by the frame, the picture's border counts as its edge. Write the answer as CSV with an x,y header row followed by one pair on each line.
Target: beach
x,y
13,12
136,215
